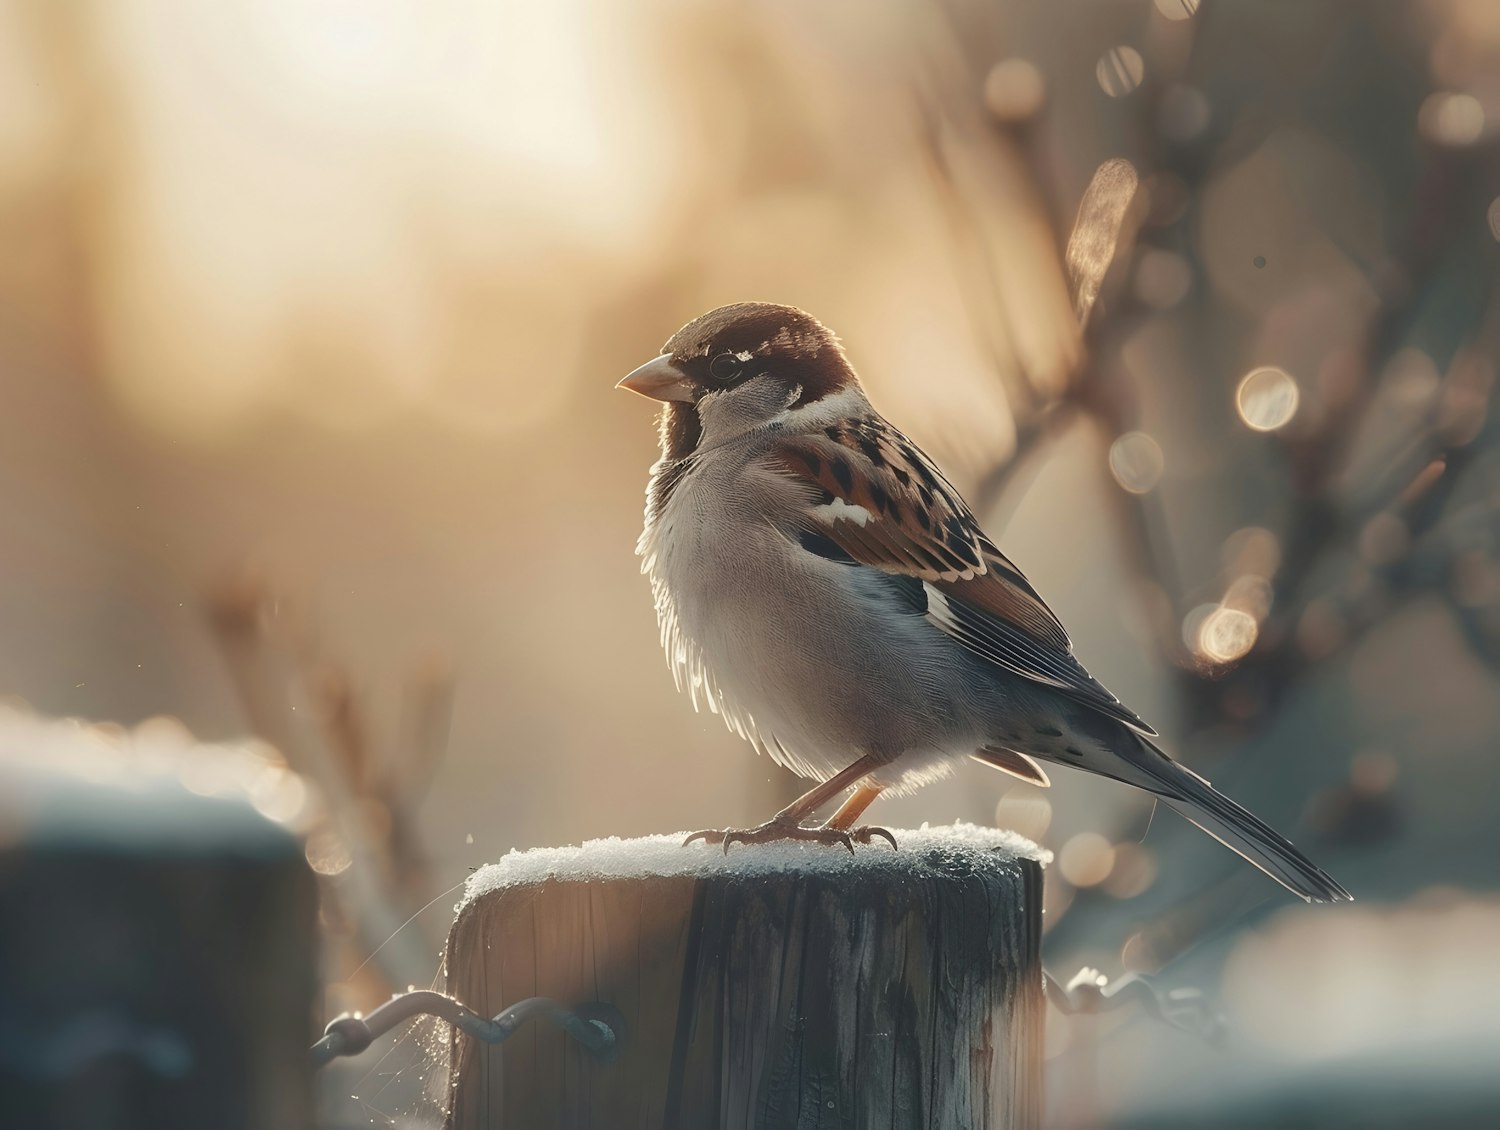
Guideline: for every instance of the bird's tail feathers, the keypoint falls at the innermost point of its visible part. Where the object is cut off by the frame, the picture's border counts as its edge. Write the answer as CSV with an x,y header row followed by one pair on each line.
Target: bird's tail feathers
x,y
1234,826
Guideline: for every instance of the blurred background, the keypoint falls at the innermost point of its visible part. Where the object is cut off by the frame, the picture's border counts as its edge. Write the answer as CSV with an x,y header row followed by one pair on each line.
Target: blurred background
x,y
309,316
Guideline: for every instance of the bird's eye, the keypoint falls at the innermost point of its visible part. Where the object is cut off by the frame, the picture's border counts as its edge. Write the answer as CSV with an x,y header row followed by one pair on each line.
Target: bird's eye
x,y
724,367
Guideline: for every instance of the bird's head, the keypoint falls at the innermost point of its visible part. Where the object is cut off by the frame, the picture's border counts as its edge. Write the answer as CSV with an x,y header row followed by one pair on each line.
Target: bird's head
x,y
738,367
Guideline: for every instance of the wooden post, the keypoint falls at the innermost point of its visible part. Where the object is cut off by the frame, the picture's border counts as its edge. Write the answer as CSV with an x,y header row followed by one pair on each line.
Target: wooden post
x,y
158,948
782,985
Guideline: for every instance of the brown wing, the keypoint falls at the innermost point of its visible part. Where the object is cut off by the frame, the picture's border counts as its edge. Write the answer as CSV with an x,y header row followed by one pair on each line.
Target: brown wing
x,y
885,510
877,501
885,504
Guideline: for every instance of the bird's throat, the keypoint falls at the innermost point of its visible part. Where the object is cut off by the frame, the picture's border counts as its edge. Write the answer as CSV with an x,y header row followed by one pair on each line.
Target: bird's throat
x,y
681,430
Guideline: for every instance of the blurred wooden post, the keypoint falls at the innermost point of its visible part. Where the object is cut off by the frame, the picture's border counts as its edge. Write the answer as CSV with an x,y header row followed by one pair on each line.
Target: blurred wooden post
x,y
781,986
158,955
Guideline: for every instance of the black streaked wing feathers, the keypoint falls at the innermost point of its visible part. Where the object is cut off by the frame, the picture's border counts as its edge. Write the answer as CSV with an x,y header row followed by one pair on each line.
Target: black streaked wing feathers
x,y
921,528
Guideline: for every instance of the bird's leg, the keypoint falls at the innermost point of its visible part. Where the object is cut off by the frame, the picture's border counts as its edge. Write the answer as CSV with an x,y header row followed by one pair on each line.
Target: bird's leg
x,y
787,824
852,809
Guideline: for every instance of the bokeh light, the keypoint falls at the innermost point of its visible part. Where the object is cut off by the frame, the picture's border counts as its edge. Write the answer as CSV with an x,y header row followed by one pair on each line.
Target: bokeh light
x,y
1136,461
279,795
1267,398
1454,120
1014,90
327,852
1132,872
1226,634
1024,811
1177,9
1086,859
1192,626
1119,71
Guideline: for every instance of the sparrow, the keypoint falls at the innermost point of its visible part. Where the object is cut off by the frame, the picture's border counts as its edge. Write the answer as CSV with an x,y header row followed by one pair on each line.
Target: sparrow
x,y
823,588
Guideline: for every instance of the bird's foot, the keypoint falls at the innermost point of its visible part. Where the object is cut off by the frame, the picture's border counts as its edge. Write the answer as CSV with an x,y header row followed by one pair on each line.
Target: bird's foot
x,y
774,830
866,833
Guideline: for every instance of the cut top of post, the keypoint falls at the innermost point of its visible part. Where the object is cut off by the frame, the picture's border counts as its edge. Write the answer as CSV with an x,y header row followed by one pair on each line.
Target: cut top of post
x,y
925,852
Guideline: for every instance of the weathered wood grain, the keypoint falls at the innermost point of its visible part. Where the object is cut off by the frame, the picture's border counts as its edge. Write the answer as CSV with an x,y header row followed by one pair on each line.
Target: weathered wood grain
x,y
899,991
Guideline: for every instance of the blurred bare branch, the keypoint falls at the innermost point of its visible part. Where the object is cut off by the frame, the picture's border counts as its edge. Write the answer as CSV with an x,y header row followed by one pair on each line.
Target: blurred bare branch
x,y
308,708
1104,232
1369,521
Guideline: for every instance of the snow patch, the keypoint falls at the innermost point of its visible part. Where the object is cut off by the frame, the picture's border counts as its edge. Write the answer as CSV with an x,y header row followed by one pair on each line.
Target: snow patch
x,y
69,783
924,851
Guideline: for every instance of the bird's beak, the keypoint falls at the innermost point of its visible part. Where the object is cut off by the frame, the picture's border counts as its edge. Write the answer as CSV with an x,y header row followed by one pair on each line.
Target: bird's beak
x,y
659,379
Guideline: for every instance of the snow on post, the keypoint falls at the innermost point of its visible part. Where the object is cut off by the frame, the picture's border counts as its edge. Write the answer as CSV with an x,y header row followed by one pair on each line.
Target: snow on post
x,y
782,985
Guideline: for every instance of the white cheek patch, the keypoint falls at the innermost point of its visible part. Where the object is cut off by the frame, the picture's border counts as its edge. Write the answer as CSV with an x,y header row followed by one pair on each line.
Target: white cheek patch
x,y
847,511
836,406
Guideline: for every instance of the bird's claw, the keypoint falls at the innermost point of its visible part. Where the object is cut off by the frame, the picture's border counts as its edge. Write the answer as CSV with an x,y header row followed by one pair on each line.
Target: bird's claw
x,y
866,833
773,830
